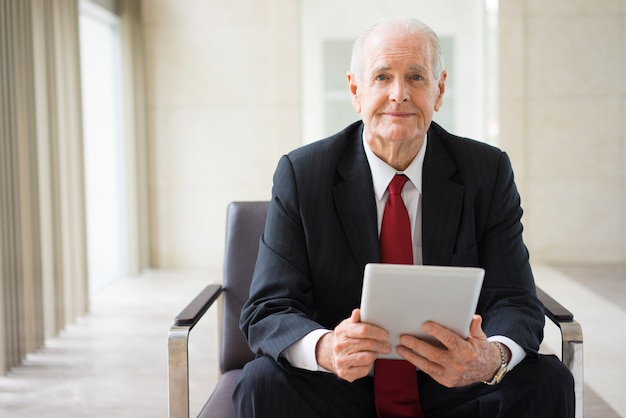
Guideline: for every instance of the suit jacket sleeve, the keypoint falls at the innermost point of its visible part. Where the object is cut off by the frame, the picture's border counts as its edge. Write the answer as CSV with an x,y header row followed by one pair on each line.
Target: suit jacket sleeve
x,y
319,234
508,302
472,217
279,309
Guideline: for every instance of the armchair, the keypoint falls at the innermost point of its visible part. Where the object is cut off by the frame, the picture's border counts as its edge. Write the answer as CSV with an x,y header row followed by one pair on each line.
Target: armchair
x,y
245,224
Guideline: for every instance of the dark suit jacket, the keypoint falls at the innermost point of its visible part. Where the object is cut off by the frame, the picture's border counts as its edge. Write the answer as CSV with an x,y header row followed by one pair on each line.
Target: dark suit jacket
x,y
321,230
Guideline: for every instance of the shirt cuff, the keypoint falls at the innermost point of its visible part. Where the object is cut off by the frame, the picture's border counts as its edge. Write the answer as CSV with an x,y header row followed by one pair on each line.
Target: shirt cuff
x,y
517,352
301,354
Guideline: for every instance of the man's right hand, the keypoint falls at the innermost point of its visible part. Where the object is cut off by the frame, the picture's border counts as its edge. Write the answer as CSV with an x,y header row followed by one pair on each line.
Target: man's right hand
x,y
351,349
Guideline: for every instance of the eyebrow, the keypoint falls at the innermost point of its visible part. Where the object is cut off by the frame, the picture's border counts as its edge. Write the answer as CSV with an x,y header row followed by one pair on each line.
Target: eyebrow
x,y
418,68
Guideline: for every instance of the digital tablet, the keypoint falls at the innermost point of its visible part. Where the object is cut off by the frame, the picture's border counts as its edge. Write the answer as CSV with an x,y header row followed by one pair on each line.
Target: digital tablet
x,y
400,298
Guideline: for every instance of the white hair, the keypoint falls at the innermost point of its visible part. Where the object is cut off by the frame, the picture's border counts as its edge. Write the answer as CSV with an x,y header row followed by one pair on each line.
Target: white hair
x,y
408,25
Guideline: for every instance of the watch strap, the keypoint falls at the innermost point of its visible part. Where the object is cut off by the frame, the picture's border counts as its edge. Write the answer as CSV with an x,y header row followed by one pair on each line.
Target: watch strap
x,y
497,378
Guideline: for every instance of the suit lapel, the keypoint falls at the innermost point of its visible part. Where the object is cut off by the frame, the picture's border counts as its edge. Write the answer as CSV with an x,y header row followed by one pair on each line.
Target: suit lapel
x,y
442,201
354,197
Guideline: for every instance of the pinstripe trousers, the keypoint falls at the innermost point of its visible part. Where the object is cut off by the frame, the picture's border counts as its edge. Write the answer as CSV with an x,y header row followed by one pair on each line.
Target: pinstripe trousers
x,y
538,387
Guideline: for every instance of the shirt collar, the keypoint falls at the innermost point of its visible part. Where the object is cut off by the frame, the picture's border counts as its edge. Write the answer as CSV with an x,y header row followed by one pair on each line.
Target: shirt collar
x,y
382,173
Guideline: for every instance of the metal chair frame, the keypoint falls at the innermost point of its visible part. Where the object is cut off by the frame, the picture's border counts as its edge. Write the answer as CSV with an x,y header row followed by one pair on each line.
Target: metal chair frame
x,y
178,339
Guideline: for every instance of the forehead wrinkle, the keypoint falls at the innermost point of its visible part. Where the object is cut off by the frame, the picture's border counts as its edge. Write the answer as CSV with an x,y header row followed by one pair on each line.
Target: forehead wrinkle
x,y
413,67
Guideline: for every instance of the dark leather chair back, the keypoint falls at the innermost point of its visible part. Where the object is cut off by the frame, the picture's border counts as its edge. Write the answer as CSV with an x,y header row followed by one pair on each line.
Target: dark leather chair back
x,y
245,222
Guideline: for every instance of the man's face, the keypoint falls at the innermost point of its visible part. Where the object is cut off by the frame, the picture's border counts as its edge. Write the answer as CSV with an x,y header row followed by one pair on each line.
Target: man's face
x,y
396,93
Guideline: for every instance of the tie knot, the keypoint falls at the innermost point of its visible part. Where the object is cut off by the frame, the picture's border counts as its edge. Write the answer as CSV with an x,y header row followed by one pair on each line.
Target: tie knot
x,y
397,183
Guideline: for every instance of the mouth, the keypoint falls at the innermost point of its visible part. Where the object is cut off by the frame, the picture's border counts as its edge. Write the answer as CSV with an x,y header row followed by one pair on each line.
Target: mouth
x,y
399,114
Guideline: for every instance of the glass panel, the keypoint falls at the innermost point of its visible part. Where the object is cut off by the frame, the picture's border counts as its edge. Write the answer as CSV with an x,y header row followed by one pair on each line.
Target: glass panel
x,y
103,145
338,110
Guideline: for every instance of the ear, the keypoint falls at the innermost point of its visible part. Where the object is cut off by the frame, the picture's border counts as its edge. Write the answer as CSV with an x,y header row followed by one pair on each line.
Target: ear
x,y
354,90
441,87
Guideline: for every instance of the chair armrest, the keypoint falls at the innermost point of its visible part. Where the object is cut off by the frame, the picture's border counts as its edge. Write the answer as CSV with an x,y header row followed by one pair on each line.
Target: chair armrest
x,y
571,343
192,313
177,347
554,310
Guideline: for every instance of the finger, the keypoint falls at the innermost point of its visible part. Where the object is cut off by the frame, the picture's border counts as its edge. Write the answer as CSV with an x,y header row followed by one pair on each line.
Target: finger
x,y
354,337
359,329
360,359
446,337
423,351
424,364
351,374
356,358
351,346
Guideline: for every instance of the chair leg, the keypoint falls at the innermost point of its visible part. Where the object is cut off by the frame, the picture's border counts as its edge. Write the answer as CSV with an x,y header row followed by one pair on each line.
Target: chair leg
x,y
572,357
178,371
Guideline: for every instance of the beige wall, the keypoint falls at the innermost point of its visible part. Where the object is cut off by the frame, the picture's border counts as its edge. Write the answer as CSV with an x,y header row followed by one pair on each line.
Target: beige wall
x,y
563,112
223,105
223,83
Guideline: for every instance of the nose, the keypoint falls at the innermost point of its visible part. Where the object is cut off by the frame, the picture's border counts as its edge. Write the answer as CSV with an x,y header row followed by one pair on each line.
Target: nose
x,y
399,92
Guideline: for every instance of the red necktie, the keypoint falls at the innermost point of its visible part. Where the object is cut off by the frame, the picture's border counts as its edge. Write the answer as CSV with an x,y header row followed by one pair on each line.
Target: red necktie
x,y
395,381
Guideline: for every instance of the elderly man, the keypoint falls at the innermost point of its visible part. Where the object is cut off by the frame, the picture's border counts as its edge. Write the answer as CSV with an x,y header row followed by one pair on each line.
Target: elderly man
x,y
315,358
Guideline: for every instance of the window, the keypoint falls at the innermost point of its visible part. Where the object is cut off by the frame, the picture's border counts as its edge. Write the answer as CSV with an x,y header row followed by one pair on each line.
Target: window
x,y
103,145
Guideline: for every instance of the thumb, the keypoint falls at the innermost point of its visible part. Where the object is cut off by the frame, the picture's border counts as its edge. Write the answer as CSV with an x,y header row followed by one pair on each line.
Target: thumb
x,y
356,315
476,330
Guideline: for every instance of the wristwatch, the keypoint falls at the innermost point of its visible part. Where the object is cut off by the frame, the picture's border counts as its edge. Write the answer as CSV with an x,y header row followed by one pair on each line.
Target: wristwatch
x,y
503,366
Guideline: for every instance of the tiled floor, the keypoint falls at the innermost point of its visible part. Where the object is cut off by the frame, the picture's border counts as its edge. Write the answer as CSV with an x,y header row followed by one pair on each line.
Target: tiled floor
x,y
113,361
597,297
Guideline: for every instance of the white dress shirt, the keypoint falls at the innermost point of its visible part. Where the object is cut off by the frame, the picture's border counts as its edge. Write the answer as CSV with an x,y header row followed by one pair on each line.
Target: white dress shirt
x,y
301,354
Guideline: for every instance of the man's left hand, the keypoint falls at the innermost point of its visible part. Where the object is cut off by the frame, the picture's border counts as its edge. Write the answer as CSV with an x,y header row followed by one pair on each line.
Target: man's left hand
x,y
461,363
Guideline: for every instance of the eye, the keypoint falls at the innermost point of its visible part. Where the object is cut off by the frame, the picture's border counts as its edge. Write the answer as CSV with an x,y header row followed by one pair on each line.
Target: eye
x,y
417,77
380,77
